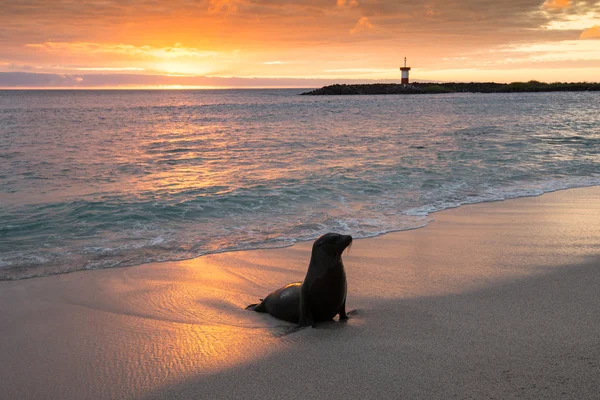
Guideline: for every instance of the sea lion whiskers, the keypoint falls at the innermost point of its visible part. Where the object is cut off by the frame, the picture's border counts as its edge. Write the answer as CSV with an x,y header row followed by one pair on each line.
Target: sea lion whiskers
x,y
348,248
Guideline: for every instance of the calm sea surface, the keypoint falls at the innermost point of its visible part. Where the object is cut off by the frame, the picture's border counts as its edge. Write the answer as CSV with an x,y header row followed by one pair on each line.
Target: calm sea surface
x,y
96,179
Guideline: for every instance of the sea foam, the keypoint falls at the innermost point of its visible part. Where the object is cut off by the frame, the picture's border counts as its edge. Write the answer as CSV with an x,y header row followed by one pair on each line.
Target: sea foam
x,y
95,180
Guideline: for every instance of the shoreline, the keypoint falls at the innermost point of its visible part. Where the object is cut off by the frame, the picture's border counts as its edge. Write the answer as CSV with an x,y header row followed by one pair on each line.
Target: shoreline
x,y
490,299
430,217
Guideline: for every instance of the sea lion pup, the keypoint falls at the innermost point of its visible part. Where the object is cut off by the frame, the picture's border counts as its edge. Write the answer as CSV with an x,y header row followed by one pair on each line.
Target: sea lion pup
x,y
322,295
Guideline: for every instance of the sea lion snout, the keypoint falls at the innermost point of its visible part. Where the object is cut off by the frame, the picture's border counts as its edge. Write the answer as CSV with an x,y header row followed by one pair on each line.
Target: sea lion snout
x,y
332,244
346,240
342,241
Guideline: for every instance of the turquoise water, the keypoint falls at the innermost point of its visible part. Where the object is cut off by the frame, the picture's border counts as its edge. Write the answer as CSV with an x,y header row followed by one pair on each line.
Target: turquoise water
x,y
96,179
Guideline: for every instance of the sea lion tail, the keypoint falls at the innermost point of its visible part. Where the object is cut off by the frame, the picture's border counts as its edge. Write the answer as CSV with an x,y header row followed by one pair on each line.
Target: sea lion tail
x,y
259,307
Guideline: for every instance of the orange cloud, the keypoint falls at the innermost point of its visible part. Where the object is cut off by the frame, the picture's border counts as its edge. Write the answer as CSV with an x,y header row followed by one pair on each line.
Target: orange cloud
x,y
557,4
431,11
362,24
176,51
223,5
260,38
591,33
111,57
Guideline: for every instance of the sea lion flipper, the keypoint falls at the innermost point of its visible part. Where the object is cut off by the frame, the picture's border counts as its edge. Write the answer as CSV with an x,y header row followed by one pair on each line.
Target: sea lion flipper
x,y
306,317
343,315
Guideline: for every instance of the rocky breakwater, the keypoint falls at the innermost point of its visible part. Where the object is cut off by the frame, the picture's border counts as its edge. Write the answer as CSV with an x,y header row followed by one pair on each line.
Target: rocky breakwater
x,y
473,87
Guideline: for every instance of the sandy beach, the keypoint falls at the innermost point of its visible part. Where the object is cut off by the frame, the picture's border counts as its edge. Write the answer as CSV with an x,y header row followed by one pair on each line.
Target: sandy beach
x,y
489,301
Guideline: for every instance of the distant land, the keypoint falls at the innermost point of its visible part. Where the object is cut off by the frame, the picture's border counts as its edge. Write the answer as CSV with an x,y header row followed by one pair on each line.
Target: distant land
x,y
434,88
36,81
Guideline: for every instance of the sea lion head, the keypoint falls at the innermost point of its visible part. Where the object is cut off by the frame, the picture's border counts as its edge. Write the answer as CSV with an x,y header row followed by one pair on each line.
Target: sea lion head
x,y
332,245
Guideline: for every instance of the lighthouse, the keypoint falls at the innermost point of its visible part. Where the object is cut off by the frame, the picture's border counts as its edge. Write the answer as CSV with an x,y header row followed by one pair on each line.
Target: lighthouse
x,y
404,70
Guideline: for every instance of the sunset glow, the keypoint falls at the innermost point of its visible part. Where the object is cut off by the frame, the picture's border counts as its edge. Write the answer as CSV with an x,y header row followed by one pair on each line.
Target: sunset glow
x,y
248,43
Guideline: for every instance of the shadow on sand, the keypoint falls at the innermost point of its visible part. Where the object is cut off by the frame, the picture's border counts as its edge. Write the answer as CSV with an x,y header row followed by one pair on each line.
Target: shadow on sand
x,y
531,338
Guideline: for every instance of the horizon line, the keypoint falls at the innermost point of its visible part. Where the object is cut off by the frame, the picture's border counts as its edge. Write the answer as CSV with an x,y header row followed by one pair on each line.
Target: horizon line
x,y
258,87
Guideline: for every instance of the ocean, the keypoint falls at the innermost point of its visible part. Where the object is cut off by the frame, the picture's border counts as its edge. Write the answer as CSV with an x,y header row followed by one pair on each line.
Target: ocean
x,y
99,179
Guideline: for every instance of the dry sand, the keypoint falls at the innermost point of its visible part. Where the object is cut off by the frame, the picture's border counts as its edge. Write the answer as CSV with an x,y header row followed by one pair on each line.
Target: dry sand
x,y
490,301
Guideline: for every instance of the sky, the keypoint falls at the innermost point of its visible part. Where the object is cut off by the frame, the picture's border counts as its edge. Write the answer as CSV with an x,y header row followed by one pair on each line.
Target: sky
x,y
304,43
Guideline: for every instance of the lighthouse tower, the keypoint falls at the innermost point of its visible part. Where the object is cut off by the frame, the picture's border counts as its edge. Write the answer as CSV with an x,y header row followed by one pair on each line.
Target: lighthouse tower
x,y
404,70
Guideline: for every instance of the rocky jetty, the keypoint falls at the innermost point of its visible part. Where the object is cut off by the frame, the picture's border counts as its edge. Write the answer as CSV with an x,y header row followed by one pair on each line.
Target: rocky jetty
x,y
473,87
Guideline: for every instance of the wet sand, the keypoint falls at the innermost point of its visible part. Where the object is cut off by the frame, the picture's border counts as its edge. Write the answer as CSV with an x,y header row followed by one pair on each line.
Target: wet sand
x,y
497,300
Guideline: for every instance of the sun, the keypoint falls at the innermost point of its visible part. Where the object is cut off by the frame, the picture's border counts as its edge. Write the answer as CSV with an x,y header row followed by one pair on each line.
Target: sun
x,y
182,68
